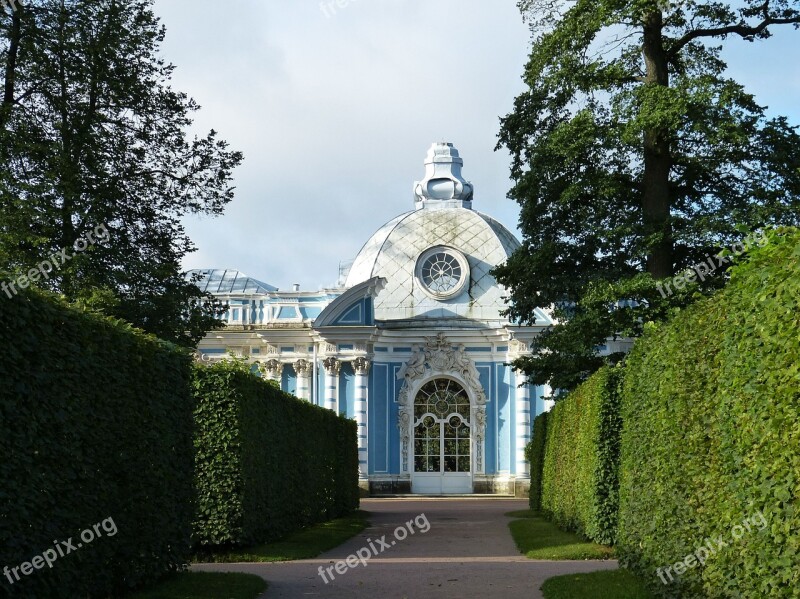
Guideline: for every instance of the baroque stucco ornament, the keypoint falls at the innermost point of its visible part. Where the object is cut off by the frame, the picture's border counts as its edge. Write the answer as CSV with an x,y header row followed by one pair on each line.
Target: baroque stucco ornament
x,y
332,366
438,357
303,368
361,366
272,369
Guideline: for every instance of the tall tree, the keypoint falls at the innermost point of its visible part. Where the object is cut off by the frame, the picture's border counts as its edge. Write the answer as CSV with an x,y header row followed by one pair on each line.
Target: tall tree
x,y
634,157
93,136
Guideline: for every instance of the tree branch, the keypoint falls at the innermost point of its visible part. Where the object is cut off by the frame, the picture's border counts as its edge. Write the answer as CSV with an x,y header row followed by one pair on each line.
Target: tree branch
x,y
744,31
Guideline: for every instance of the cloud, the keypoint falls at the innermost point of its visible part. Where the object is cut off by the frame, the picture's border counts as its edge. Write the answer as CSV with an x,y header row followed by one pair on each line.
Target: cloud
x,y
335,115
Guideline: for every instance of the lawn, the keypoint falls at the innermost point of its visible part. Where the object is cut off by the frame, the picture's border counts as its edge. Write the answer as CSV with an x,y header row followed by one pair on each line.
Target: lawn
x,y
538,538
303,544
206,585
609,584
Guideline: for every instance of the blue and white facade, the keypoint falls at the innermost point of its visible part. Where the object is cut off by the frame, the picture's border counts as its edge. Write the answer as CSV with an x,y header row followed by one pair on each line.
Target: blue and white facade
x,y
412,344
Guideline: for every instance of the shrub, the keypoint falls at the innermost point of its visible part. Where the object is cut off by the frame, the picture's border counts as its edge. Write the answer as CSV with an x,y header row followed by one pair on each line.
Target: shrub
x,y
95,423
267,463
711,405
581,459
534,453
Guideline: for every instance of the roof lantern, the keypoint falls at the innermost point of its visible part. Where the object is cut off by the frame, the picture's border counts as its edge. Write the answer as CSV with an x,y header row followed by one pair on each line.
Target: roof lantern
x,y
443,186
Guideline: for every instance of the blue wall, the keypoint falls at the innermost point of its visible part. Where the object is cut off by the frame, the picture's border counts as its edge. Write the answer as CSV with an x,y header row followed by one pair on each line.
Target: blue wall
x,y
384,436
537,403
497,381
289,379
318,398
347,390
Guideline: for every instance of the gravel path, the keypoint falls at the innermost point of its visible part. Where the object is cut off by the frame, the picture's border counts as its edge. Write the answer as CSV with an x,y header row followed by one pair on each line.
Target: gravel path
x,y
459,548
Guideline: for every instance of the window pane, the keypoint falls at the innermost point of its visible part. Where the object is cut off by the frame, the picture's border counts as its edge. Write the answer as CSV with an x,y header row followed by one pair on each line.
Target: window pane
x,y
442,438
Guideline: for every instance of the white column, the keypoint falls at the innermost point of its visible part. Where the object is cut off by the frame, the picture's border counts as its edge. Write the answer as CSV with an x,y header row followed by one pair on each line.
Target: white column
x,y
548,402
332,369
361,368
522,407
303,369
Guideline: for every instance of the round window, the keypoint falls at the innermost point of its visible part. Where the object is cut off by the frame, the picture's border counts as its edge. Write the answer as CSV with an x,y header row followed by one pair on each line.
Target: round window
x,y
442,271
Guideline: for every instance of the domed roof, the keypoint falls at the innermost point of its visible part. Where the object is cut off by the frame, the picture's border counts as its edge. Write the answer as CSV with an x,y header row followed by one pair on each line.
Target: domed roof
x,y
405,237
437,259
225,281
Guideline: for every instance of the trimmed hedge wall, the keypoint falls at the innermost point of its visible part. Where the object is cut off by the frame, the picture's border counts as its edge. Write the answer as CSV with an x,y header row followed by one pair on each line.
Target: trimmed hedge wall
x,y
711,440
534,453
581,458
267,463
95,423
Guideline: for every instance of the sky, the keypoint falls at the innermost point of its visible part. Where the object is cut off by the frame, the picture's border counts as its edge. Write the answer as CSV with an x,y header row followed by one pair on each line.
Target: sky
x,y
336,104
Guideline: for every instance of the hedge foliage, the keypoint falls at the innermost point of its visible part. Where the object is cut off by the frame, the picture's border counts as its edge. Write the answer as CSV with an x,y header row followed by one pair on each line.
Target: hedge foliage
x,y
534,453
267,463
95,423
711,437
581,458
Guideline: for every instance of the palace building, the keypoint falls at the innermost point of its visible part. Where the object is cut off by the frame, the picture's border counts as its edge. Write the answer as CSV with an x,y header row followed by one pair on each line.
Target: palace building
x,y
412,344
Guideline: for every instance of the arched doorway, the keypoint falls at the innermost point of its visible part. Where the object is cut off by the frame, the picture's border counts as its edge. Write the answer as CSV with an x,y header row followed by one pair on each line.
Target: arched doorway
x,y
442,439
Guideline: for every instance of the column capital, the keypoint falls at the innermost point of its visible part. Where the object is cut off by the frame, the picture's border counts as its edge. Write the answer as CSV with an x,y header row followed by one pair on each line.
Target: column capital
x,y
332,366
361,366
272,368
303,368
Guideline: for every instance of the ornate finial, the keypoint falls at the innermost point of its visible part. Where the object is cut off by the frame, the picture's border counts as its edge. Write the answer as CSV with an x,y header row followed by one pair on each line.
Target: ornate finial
x,y
443,180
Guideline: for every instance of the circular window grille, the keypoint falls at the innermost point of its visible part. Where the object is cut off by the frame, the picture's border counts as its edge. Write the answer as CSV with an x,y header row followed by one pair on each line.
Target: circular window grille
x,y
442,272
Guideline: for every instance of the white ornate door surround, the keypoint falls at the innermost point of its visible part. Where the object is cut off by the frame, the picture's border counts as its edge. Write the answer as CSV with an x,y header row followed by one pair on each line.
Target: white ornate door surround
x,y
442,406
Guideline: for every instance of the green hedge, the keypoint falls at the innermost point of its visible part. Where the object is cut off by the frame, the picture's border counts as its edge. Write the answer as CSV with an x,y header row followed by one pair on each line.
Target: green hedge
x,y
711,440
95,423
534,453
581,458
267,463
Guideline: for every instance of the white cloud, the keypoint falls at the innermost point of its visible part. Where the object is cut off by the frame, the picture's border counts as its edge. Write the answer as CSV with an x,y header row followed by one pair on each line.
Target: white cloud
x,y
335,114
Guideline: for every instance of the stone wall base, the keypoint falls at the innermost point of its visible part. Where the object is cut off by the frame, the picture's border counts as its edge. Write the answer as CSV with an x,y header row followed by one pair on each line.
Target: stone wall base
x,y
481,485
392,486
522,488
363,487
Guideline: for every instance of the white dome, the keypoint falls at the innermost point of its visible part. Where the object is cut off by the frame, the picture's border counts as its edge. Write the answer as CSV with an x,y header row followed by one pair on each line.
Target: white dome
x,y
400,250
437,259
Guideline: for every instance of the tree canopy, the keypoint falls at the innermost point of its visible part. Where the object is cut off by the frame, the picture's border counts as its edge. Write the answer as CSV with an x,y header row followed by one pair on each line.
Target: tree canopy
x,y
634,158
93,135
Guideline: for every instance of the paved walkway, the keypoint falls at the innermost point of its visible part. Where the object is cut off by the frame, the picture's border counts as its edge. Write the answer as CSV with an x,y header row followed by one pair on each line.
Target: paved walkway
x,y
467,552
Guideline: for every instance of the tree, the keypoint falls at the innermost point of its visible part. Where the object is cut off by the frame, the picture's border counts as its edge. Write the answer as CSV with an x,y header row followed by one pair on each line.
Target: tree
x,y
93,136
635,158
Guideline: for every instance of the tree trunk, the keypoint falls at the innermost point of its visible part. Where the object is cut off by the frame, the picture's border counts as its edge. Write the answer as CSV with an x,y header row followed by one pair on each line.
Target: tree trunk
x,y
657,157
11,66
